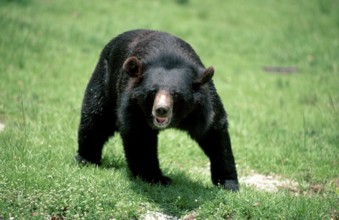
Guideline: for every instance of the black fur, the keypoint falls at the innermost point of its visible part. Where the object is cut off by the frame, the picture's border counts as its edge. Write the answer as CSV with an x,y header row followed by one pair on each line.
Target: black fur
x,y
119,97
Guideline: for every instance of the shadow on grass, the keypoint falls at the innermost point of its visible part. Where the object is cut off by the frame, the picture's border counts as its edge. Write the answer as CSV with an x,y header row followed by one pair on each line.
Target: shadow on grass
x,y
115,162
179,198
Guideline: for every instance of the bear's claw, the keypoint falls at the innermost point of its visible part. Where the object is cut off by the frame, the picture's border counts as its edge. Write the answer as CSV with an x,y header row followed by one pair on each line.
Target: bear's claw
x,y
81,160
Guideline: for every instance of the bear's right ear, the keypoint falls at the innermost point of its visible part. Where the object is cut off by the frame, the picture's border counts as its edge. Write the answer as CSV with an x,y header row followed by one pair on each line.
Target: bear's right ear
x,y
133,67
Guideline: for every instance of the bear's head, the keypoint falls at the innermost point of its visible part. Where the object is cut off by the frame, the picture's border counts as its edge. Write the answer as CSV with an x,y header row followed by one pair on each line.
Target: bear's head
x,y
167,92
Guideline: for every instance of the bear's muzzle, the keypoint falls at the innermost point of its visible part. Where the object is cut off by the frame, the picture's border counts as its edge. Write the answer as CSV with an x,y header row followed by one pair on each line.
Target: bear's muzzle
x,y
162,109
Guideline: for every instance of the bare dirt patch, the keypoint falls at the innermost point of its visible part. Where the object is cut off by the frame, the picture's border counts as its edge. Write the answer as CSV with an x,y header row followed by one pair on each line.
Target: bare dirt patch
x,y
151,215
269,183
2,127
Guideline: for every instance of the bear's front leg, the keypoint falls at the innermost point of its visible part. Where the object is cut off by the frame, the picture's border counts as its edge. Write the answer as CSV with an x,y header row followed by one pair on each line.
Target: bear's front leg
x,y
217,146
140,145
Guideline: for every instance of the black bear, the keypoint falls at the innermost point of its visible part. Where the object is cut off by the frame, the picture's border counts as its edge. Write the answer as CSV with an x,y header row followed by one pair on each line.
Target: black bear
x,y
146,81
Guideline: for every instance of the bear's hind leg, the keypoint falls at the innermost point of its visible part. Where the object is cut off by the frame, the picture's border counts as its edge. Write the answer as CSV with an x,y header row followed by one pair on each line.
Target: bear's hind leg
x,y
98,118
94,131
97,123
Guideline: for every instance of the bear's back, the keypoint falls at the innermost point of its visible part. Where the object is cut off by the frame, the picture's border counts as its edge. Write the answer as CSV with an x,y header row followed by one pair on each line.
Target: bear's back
x,y
149,45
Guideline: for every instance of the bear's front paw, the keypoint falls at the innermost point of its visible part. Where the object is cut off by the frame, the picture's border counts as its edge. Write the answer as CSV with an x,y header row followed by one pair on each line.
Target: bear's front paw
x,y
81,160
231,185
164,180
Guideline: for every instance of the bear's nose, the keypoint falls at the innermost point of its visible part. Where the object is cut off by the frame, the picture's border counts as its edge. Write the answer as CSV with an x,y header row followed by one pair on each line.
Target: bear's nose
x,y
162,111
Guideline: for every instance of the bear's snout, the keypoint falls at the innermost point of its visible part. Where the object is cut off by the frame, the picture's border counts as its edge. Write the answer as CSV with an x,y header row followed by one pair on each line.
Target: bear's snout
x,y
162,109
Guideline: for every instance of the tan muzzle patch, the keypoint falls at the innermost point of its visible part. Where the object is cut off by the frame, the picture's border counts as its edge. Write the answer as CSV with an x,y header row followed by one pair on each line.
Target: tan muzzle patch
x,y
162,109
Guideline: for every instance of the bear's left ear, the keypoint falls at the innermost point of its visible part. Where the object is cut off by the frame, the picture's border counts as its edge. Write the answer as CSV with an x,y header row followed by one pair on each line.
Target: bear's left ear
x,y
204,77
133,67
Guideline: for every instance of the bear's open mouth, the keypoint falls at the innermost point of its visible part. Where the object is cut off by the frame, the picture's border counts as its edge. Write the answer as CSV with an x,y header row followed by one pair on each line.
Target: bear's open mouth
x,y
161,122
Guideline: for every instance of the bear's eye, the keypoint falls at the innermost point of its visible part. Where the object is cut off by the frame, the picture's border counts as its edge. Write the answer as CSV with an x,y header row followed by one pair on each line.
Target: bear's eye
x,y
152,93
175,95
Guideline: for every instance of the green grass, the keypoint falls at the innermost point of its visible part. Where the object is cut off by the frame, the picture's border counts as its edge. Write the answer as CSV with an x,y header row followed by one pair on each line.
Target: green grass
x,y
284,124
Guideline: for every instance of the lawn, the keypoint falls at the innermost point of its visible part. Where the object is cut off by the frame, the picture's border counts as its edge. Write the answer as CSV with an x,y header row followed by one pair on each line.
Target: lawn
x,y
282,124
